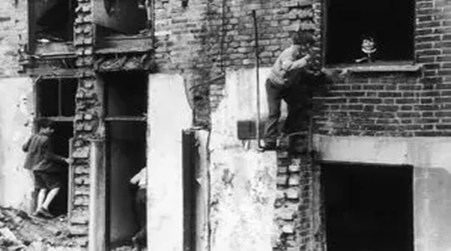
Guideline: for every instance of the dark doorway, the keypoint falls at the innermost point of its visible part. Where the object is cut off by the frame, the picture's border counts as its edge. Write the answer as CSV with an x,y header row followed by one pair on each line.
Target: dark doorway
x,y
126,106
61,137
56,102
368,207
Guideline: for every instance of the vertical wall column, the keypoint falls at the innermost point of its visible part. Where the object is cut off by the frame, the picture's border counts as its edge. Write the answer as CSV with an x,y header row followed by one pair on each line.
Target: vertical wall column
x,y
97,201
87,118
298,210
168,115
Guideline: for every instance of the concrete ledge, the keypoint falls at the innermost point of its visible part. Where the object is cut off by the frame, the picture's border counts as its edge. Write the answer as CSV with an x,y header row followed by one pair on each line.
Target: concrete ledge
x,y
425,152
368,68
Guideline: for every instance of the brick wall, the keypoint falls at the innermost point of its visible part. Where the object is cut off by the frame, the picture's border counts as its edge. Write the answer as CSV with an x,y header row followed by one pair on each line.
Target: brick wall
x,y
205,38
87,120
397,104
13,35
298,211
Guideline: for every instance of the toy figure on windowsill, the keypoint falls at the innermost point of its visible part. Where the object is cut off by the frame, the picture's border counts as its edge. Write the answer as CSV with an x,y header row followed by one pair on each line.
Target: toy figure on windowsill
x,y
368,47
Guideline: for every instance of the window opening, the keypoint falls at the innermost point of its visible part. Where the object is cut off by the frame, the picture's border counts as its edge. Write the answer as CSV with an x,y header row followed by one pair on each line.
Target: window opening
x,y
51,20
56,97
389,24
123,17
368,207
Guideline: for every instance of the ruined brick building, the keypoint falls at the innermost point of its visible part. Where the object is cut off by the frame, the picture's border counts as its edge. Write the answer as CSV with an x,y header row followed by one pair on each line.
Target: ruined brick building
x,y
176,89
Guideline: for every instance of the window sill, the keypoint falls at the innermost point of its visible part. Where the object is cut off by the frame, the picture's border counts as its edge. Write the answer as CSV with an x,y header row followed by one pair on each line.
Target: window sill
x,y
378,67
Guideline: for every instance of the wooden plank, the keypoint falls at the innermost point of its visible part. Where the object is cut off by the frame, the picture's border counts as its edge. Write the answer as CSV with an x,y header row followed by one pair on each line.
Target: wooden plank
x,y
126,119
55,49
59,119
97,205
189,190
124,45
51,73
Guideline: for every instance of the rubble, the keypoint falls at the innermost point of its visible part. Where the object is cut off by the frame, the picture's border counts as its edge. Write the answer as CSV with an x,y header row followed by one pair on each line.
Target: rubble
x,y
20,231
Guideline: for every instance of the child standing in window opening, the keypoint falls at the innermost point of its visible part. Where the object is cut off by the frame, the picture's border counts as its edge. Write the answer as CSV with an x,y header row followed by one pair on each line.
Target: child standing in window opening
x,y
140,179
45,166
288,80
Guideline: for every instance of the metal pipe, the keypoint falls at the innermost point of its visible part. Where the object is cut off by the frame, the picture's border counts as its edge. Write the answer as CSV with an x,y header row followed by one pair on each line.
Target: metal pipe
x,y
254,16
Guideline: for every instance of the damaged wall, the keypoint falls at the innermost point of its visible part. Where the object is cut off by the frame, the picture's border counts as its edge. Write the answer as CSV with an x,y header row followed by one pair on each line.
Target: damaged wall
x,y
13,35
16,116
243,180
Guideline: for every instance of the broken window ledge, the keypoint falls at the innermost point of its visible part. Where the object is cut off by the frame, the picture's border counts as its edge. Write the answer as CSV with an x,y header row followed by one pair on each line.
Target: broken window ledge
x,y
379,67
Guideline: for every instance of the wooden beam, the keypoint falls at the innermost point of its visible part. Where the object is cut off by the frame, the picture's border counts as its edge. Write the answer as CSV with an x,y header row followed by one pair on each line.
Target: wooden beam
x,y
126,119
98,196
54,73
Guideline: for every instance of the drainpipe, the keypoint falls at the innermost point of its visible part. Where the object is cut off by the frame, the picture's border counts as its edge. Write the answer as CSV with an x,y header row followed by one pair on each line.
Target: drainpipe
x,y
257,66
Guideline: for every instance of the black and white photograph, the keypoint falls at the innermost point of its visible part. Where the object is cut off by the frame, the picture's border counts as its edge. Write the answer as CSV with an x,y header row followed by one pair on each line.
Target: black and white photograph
x,y
225,125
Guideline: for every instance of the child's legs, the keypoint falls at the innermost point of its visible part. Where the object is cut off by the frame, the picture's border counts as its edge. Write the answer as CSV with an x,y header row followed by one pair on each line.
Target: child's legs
x,y
51,182
50,196
39,185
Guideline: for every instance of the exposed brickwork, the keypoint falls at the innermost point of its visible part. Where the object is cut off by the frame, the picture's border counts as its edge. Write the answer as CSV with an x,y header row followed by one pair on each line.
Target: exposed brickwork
x,y
235,36
13,35
398,104
297,206
182,47
87,118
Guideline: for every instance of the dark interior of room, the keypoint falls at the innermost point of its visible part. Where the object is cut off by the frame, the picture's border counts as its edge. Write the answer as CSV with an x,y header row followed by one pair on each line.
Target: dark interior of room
x,y
119,17
368,208
389,22
126,97
54,19
63,132
57,97
126,93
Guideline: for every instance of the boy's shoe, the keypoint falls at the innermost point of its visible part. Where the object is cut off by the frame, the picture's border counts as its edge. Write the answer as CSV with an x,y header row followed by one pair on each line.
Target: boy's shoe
x,y
44,213
270,146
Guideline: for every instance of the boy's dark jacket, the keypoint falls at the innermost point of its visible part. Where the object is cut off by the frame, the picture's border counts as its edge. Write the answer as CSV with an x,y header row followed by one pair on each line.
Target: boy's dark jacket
x,y
40,156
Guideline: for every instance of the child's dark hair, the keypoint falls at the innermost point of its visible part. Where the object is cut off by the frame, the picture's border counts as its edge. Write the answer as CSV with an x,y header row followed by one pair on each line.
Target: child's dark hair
x,y
45,123
303,37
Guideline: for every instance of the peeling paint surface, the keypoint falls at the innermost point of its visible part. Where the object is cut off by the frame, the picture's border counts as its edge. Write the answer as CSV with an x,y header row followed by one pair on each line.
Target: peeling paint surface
x,y
16,109
243,179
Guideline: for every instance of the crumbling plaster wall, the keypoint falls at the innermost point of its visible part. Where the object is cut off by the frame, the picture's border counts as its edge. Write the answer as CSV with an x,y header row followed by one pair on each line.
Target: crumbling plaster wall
x,y
13,35
243,180
16,115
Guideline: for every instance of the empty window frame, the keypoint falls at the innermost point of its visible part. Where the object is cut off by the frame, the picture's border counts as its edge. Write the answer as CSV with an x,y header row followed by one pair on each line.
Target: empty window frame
x,y
51,20
56,98
115,17
389,23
